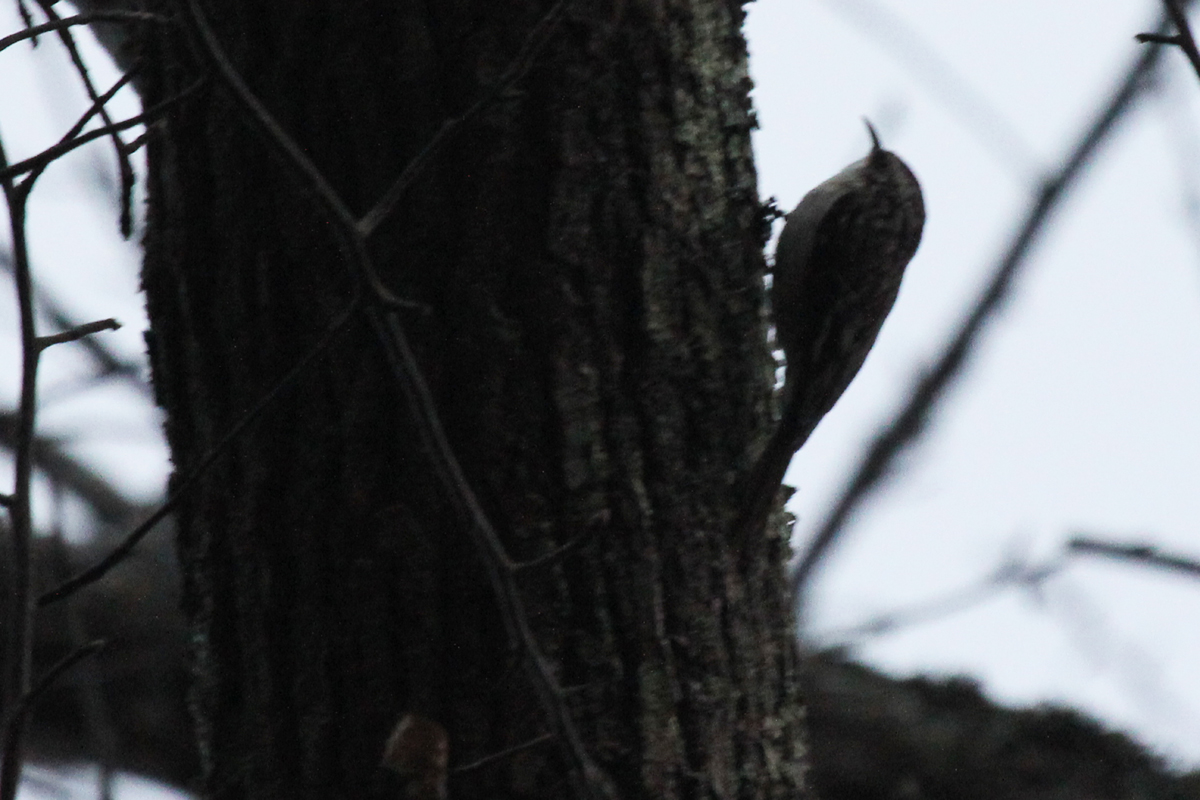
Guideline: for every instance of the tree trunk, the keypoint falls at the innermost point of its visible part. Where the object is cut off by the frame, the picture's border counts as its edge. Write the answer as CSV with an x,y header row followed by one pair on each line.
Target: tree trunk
x,y
590,252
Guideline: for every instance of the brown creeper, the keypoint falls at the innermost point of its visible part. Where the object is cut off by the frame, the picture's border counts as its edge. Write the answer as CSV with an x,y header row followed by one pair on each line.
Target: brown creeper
x,y
837,271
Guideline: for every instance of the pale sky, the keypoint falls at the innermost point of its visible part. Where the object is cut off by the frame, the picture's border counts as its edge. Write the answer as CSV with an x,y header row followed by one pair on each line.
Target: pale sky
x,y
1078,413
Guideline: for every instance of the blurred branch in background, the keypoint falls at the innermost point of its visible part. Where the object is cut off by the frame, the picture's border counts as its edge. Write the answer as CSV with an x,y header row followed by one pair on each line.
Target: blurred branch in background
x,y
1083,623
110,506
973,110
913,419
1012,572
1176,104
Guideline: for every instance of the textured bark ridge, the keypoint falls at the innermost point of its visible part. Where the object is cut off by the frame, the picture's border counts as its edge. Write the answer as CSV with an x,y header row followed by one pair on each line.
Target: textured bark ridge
x,y
590,251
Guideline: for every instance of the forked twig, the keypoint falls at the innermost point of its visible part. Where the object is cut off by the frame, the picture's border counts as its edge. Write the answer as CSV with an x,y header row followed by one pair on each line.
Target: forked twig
x,y
35,164
353,245
385,321
124,167
1182,38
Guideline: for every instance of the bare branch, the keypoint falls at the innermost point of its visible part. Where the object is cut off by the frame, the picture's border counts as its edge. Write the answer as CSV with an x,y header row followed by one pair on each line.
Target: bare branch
x,y
1158,38
1182,39
80,19
18,694
14,725
26,17
185,485
76,333
73,141
1010,574
520,66
913,419
353,245
505,753
108,361
67,37
1144,554
500,568
588,778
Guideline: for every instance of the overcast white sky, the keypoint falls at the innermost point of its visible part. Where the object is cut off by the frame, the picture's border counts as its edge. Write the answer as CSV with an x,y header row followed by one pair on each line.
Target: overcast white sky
x,y
1078,414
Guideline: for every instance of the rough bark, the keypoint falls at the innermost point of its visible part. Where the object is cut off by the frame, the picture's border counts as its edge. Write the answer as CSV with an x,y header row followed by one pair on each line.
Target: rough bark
x,y
590,250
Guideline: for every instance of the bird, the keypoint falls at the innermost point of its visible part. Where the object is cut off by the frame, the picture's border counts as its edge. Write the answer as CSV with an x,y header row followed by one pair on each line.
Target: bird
x,y
838,267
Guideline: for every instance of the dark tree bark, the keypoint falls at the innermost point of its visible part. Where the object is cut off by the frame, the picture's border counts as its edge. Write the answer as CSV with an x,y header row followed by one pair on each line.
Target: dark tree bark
x,y
590,250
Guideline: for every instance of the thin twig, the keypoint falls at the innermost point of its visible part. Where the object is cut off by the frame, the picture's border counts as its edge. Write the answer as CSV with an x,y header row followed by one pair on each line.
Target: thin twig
x,y
89,687
185,485
948,85
520,66
500,568
77,333
18,694
505,753
1183,36
109,363
1158,38
386,324
1145,554
353,246
36,163
913,420
26,17
1010,574
60,667
137,142
81,19
124,167
555,555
